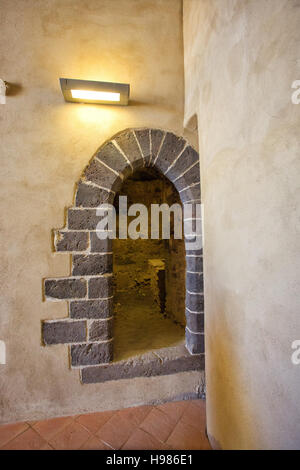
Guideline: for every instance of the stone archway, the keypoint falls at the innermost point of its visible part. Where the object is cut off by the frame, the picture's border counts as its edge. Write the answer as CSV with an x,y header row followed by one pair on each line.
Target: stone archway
x,y
88,289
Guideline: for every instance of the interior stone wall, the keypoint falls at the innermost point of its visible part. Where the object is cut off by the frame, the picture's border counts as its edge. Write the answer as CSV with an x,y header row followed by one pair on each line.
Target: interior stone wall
x,y
45,143
241,58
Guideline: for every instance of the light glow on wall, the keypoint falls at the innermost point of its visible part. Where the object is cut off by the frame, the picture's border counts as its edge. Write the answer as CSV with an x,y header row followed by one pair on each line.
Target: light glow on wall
x,y
95,95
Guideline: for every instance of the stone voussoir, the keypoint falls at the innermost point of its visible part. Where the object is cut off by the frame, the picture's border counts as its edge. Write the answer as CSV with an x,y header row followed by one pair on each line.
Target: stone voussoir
x,y
101,175
171,148
129,146
92,196
143,137
156,139
110,155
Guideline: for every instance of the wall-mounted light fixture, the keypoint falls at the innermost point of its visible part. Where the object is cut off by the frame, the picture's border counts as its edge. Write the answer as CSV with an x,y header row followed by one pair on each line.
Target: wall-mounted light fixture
x,y
87,91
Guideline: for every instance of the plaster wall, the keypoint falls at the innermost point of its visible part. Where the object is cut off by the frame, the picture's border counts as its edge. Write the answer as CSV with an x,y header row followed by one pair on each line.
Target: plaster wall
x,y
45,144
241,58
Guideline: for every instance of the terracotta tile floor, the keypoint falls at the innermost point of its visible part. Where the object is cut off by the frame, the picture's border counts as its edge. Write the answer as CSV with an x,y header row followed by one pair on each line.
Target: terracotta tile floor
x,y
175,425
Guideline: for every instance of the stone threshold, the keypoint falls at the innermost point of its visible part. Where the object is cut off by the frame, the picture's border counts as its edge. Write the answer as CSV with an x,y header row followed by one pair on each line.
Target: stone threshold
x,y
165,361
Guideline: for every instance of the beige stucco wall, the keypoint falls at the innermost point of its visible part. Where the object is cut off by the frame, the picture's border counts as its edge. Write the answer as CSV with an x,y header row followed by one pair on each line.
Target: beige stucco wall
x,y
44,145
241,58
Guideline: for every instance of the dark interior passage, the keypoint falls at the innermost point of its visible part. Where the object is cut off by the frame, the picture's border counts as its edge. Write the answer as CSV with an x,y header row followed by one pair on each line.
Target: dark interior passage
x,y
149,277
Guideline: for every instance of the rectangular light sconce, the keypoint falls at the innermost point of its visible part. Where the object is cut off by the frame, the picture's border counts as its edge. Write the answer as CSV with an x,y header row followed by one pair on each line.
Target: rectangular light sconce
x,y
88,91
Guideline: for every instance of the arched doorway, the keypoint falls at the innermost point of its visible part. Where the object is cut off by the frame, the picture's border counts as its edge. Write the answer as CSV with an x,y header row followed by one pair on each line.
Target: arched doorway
x,y
89,288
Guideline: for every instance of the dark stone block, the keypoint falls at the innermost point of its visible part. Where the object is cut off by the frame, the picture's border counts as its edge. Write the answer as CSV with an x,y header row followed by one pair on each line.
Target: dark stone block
x,y
91,354
66,288
71,241
128,144
193,244
167,361
102,176
195,321
194,282
192,210
192,227
100,246
91,264
194,342
190,177
143,136
60,332
101,330
186,159
90,196
191,194
194,263
171,148
84,219
100,287
195,302
91,309
110,155
156,138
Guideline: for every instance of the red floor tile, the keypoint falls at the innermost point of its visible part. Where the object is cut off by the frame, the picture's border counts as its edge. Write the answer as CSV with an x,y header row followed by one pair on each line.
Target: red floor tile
x,y
93,443
175,425
158,424
141,440
71,437
9,431
50,427
116,431
94,421
187,437
27,440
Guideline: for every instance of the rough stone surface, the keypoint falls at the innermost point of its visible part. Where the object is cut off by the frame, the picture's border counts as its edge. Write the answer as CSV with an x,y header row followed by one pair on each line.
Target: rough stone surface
x,y
156,138
186,159
195,302
194,282
101,330
100,287
195,321
194,263
57,332
91,264
194,342
102,176
70,241
110,155
127,142
84,219
190,177
91,354
65,288
171,148
91,309
143,137
161,362
98,245
91,196
191,194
